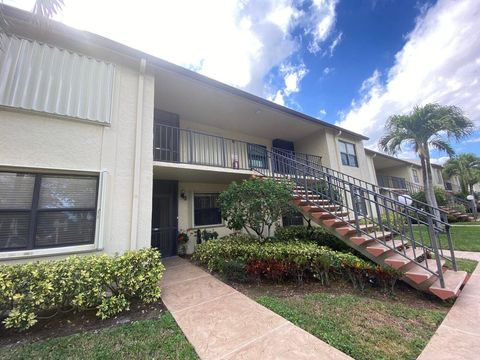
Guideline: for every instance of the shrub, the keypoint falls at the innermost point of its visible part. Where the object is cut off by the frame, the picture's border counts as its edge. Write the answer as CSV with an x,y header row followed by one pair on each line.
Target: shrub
x,y
282,260
233,270
310,234
439,195
101,282
255,205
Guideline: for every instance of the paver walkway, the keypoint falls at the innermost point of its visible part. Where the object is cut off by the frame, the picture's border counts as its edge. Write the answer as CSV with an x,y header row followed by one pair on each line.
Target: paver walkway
x,y
222,323
458,336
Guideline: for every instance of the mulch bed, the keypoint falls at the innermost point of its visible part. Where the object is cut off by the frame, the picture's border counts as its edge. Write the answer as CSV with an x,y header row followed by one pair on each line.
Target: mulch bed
x,y
70,323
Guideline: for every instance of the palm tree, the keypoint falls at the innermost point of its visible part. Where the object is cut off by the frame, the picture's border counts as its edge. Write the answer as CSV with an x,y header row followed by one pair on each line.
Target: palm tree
x,y
42,9
47,8
423,128
466,167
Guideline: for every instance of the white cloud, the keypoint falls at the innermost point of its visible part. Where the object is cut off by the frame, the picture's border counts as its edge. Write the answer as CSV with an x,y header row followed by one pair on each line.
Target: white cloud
x,y
322,113
335,43
440,62
292,76
238,42
322,17
328,70
441,160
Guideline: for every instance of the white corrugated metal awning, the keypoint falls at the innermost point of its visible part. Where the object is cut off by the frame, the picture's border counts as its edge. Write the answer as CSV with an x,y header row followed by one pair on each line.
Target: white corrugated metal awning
x,y
41,77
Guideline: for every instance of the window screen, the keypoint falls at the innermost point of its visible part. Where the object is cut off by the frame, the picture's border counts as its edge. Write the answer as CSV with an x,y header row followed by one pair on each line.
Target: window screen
x,y
40,210
206,210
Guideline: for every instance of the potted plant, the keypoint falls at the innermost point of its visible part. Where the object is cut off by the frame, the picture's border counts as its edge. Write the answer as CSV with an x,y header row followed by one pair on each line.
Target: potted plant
x,y
182,240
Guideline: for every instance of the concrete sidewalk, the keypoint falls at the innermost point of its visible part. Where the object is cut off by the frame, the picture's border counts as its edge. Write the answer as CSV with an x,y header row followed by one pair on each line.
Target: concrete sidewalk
x,y
222,323
458,336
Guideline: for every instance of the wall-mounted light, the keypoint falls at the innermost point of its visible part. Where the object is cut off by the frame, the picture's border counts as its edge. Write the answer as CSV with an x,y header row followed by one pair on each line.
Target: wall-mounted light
x,y
183,195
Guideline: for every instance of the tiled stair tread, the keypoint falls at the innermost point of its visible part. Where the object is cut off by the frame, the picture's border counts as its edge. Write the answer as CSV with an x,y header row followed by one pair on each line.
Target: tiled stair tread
x,y
377,248
322,215
318,208
312,201
341,221
350,229
418,274
398,260
453,282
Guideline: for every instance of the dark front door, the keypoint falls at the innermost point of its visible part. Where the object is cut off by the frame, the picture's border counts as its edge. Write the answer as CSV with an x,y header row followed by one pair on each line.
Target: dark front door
x,y
164,217
286,155
166,139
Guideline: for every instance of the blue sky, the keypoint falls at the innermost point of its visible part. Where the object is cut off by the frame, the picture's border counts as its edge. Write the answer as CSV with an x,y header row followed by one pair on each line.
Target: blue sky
x,y
348,62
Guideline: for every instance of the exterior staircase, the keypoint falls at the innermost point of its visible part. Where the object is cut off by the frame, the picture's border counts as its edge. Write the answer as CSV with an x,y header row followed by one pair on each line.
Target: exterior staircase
x,y
457,214
380,227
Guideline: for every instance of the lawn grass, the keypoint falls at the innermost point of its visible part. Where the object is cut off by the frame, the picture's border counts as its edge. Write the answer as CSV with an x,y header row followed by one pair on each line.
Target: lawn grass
x,y
361,327
465,238
148,339
464,264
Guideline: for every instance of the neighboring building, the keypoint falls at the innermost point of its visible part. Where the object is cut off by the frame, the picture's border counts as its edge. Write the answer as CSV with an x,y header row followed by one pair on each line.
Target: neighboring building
x,y
399,174
106,148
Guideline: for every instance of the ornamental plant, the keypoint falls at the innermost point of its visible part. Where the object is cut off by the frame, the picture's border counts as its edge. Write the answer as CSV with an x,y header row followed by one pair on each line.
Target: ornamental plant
x,y
256,205
291,260
103,283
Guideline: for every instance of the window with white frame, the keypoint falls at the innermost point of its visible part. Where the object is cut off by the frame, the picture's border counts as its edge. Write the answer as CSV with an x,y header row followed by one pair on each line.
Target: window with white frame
x,y
348,153
40,211
206,209
415,176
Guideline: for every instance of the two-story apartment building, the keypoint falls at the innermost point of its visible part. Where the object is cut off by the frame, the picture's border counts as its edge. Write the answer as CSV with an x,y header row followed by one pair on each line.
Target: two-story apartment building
x,y
106,148
399,174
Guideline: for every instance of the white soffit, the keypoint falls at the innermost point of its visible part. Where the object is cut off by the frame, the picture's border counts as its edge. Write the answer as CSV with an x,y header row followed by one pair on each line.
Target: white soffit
x,y
41,77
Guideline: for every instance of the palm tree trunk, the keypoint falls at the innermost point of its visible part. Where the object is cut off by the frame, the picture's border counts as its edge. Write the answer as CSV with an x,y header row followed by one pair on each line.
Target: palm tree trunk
x,y
428,183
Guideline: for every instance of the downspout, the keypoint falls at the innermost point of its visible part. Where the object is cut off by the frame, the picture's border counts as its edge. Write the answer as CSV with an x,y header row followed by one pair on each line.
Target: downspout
x,y
337,150
137,159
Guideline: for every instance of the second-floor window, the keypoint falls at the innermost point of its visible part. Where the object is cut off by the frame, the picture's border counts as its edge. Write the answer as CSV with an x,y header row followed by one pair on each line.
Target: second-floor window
x,y
415,176
348,153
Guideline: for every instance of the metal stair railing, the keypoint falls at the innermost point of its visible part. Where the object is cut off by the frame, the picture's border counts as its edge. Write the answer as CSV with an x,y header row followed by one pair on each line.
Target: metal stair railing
x,y
456,203
365,209
381,190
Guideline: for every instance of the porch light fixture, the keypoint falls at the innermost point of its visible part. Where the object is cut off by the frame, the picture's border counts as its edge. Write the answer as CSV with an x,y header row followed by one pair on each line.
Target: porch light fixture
x,y
405,200
183,195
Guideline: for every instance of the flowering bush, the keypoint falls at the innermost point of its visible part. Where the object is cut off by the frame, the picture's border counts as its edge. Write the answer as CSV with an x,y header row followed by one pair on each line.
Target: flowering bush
x,y
104,283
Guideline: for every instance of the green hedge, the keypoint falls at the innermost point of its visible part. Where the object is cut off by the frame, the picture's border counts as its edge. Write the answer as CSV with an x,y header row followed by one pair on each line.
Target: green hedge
x,y
280,260
312,234
104,283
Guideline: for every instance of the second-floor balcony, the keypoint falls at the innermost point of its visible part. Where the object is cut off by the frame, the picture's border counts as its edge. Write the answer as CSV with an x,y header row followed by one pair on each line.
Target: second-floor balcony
x,y
398,183
185,146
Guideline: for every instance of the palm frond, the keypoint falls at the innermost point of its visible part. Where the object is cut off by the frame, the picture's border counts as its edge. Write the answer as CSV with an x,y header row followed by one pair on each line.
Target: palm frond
x,y
47,8
442,145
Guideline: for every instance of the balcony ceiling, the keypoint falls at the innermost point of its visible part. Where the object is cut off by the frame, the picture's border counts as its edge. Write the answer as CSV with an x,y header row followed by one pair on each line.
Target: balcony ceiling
x,y
198,102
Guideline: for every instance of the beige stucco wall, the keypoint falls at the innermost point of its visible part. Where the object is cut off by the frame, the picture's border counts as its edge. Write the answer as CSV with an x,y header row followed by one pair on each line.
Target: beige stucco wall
x,y
324,143
39,142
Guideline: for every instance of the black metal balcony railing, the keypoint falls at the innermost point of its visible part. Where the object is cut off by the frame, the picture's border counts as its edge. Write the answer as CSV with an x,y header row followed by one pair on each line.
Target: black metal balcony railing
x,y
172,144
398,183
